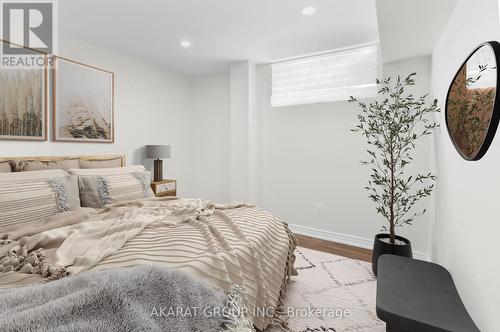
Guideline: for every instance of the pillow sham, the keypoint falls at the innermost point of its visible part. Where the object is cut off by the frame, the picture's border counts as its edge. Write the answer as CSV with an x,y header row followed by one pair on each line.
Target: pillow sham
x,y
114,162
5,166
35,196
102,186
35,165
97,191
107,171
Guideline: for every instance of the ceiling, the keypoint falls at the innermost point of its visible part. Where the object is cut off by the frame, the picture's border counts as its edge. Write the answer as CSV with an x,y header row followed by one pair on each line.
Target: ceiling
x,y
221,31
410,28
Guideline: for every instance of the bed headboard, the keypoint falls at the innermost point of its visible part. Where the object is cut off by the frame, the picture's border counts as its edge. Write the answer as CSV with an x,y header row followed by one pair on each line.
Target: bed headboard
x,y
85,161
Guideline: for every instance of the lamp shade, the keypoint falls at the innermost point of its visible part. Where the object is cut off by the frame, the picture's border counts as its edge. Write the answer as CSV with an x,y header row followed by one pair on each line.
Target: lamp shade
x,y
157,151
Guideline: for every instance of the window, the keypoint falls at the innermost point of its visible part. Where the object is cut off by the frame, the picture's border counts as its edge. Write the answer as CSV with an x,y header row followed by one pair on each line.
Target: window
x,y
484,56
327,77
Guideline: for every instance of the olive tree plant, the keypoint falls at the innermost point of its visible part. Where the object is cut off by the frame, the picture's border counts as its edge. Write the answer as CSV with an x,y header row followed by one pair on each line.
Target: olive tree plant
x,y
392,124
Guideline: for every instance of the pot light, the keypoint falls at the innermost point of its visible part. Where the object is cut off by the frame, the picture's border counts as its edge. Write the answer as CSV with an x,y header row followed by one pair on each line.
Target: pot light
x,y
308,11
185,43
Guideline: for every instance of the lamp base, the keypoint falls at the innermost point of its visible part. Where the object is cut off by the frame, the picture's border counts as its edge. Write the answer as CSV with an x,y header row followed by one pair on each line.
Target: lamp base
x,y
158,170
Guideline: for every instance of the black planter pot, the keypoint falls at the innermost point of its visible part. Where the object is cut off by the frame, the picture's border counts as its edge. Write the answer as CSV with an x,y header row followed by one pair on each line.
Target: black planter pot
x,y
382,248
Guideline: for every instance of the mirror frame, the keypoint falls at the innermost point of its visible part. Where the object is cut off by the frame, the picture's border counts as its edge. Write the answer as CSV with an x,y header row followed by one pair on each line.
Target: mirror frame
x,y
495,114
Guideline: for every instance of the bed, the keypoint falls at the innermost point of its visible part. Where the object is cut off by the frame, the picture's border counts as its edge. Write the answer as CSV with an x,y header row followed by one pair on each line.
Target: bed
x,y
121,225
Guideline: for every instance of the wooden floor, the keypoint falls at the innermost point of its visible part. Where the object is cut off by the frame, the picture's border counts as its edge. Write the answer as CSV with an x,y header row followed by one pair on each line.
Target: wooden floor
x,y
335,248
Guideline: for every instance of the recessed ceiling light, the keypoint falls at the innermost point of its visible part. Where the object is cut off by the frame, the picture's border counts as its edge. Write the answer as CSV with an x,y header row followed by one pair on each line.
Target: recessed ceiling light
x,y
308,11
185,43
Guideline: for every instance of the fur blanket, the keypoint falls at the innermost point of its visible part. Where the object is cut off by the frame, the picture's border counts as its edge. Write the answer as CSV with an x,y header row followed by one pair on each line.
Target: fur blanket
x,y
142,298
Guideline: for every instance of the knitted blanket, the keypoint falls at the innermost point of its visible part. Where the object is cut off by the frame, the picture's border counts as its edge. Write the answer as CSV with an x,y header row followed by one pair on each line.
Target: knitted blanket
x,y
224,245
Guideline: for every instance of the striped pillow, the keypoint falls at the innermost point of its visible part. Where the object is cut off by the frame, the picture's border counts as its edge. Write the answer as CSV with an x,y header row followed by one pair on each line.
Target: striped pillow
x,y
35,196
100,187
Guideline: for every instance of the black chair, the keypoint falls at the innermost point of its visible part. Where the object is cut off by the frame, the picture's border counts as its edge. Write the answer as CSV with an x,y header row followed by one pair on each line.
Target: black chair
x,y
418,296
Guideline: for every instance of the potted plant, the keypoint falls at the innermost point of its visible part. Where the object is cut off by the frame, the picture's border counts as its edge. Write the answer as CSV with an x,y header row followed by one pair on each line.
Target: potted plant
x,y
392,124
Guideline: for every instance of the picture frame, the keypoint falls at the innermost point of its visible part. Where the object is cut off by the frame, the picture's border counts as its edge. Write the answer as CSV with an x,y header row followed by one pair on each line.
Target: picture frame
x,y
24,102
82,102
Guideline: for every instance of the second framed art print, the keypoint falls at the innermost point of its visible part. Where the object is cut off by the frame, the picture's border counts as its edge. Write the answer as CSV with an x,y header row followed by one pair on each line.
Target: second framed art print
x,y
82,103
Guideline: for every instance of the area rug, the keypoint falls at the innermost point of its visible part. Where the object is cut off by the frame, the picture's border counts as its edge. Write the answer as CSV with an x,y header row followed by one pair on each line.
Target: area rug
x,y
331,293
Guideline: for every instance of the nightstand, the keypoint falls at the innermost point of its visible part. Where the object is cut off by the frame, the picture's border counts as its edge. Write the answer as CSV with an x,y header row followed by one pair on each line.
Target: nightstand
x,y
164,188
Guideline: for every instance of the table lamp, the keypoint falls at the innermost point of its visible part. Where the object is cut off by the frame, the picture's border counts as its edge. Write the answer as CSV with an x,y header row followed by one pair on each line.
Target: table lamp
x,y
158,153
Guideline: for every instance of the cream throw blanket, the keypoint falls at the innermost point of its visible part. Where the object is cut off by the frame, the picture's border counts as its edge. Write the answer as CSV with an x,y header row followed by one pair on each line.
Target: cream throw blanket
x,y
222,244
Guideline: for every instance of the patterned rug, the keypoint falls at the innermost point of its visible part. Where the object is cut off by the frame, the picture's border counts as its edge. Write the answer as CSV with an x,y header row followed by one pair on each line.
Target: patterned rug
x,y
331,293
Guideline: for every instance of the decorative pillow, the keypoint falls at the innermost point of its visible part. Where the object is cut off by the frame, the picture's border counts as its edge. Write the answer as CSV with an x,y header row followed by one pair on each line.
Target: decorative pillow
x,y
35,165
35,196
115,162
100,187
97,191
5,166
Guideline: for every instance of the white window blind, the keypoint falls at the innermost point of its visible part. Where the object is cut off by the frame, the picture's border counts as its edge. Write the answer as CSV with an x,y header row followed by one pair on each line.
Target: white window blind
x,y
327,77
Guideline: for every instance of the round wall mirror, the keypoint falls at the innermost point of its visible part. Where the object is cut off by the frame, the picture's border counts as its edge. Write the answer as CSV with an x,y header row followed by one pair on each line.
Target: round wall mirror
x,y
472,106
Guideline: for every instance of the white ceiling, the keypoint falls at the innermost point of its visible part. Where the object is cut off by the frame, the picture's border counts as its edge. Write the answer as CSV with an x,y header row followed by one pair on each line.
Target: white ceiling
x,y
410,28
226,31
221,31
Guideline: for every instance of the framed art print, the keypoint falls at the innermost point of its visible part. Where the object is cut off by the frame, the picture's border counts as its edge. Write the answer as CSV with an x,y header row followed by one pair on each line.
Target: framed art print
x,y
82,103
23,103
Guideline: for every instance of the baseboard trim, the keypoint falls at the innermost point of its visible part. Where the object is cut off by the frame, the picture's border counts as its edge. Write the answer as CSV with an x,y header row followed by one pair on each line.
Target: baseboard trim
x,y
351,240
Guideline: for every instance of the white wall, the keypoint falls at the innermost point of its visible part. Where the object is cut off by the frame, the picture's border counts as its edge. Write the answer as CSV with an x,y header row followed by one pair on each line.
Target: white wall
x,y
211,131
152,106
465,235
244,136
308,156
